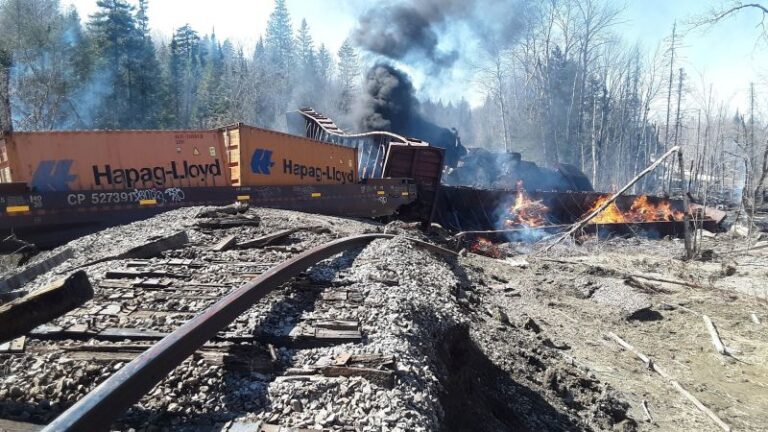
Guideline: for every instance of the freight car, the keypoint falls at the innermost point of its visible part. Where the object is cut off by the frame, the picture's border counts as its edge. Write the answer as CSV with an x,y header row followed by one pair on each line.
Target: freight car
x,y
57,185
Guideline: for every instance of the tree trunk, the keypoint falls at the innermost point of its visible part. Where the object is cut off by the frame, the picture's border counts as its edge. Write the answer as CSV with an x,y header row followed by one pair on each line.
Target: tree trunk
x,y
6,121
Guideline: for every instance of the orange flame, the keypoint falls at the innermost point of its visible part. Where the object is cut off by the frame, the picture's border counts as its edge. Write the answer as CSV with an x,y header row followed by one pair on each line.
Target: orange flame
x,y
642,210
526,211
486,247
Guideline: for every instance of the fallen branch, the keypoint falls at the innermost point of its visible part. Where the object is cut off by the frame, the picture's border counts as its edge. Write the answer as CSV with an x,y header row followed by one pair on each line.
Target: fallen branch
x,y
580,224
654,367
716,341
647,411
619,273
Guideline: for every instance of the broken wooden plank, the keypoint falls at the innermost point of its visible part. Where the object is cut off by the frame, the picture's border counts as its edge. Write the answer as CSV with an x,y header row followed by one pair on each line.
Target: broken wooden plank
x,y
342,336
224,223
15,346
41,306
14,426
342,359
129,274
344,325
115,333
110,309
156,247
151,249
240,358
265,427
34,270
152,283
115,284
225,244
383,378
232,209
716,341
267,239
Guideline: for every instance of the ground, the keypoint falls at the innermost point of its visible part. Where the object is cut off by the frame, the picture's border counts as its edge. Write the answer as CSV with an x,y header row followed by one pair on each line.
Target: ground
x,y
469,342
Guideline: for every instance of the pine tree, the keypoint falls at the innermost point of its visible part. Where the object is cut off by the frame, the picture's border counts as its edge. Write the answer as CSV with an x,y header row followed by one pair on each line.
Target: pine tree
x,y
349,73
279,37
148,105
142,19
185,68
306,48
324,64
113,29
212,97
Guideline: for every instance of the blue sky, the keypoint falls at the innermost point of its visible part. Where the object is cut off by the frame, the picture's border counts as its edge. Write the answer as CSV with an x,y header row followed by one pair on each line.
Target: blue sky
x,y
726,56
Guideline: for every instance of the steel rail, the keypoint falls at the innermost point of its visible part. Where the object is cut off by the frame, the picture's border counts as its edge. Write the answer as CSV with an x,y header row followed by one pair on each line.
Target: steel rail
x,y
99,408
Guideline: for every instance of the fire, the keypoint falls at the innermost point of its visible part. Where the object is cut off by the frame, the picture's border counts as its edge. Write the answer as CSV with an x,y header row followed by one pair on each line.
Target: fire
x,y
486,247
642,210
526,211
611,214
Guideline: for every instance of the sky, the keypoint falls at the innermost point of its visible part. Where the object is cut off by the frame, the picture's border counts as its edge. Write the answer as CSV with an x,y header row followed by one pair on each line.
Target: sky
x,y
726,56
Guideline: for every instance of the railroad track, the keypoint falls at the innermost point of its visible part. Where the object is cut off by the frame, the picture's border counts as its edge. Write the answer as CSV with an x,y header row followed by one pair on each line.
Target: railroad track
x,y
99,408
146,319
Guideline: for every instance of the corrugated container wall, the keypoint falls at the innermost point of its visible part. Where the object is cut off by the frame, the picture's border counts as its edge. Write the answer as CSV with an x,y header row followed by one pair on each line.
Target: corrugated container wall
x,y
109,160
116,160
273,158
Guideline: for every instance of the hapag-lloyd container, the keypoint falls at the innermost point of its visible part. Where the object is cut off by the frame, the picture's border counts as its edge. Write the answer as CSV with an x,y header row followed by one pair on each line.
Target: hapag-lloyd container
x,y
113,160
125,160
263,157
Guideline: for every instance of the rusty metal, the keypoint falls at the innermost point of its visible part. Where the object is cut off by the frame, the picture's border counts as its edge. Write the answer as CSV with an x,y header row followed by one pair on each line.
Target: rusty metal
x,y
425,166
97,410
314,125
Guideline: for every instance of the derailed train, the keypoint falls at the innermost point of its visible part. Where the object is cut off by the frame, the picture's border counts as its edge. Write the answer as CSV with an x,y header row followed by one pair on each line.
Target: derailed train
x,y
57,185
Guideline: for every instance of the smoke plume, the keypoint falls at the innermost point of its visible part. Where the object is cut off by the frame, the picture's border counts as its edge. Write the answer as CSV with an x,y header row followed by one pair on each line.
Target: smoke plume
x,y
417,31
389,103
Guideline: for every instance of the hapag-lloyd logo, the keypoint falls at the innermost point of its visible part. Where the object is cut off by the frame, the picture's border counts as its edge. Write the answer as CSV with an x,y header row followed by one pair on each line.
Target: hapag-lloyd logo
x,y
261,161
53,175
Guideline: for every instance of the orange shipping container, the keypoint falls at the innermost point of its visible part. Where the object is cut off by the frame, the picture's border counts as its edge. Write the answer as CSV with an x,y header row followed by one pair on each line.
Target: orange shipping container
x,y
120,160
263,157
110,160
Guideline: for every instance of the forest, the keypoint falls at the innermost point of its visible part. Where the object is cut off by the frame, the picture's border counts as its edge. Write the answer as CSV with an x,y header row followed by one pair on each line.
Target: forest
x,y
565,88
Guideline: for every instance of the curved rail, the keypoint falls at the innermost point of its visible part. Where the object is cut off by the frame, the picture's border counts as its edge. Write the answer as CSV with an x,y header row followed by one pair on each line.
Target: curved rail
x,y
97,410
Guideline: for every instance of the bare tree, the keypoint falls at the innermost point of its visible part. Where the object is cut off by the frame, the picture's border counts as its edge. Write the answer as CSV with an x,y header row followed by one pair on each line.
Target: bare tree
x,y
729,9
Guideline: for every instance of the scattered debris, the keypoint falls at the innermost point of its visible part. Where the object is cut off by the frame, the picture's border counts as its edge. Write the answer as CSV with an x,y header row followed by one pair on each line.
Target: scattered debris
x,y
654,367
719,346
225,244
43,305
34,270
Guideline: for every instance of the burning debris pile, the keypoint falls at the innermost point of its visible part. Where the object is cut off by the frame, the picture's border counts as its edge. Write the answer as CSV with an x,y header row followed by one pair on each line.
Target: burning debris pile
x,y
526,212
533,213
642,210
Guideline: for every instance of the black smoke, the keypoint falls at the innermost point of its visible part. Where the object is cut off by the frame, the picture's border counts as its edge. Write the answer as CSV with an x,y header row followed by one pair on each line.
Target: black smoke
x,y
414,30
390,104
